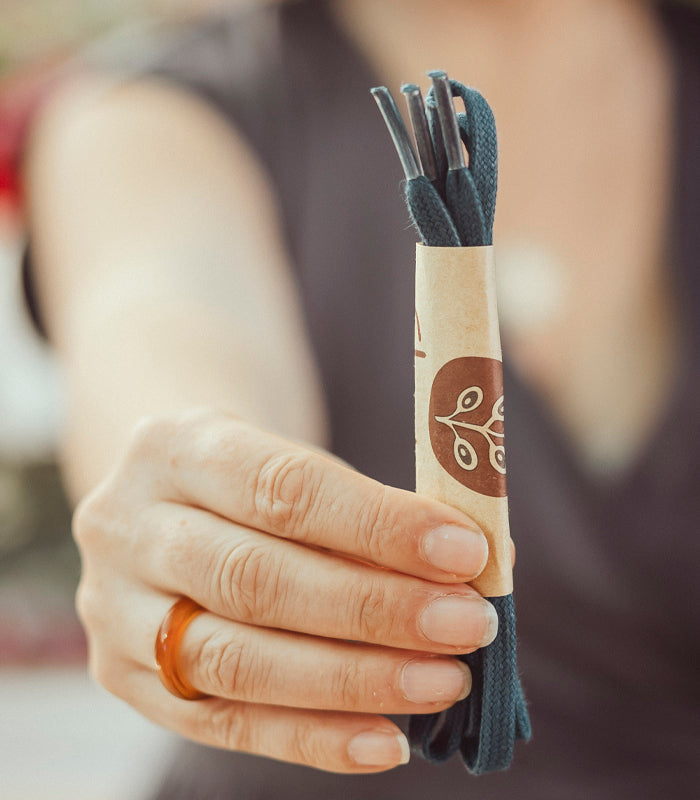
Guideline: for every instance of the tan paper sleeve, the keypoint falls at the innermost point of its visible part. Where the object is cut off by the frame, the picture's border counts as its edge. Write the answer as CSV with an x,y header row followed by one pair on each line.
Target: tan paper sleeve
x,y
460,456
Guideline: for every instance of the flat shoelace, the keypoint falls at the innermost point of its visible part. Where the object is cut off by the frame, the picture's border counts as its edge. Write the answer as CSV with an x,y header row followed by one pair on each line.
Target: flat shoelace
x,y
455,209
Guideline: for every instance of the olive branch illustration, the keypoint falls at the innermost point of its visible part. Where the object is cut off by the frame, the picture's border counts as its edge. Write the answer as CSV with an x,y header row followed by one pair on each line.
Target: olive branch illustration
x,y
465,455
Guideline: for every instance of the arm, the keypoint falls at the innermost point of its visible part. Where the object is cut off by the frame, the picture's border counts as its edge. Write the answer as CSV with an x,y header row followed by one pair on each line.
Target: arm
x,y
329,599
162,272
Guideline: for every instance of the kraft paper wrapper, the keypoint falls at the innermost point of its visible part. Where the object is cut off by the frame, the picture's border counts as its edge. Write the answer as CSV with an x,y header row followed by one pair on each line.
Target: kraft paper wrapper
x,y
459,397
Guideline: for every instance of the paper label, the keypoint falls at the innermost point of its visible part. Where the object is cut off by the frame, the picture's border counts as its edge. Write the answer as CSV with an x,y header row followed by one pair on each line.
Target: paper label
x,y
460,452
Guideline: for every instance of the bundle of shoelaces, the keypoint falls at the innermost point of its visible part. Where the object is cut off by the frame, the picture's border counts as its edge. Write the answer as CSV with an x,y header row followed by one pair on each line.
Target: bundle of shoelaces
x,y
460,455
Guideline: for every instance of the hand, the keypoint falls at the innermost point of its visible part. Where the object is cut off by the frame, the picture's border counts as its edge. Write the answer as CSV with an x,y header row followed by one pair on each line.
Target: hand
x,y
330,599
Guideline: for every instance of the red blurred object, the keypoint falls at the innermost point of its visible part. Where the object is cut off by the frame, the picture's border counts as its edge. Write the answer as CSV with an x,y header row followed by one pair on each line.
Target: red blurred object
x,y
40,638
22,92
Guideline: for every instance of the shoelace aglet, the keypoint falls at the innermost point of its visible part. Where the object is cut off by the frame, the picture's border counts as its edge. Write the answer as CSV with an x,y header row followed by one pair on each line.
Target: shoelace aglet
x,y
448,119
421,130
397,129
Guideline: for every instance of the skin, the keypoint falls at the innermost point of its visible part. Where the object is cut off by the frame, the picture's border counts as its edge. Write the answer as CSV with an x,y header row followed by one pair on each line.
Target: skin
x,y
304,566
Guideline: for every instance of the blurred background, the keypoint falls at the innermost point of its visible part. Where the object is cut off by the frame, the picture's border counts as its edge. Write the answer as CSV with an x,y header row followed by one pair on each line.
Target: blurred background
x,y
60,735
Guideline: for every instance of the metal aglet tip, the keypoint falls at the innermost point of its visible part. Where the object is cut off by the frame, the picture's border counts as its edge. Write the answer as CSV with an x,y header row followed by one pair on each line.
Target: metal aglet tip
x,y
448,120
421,130
397,129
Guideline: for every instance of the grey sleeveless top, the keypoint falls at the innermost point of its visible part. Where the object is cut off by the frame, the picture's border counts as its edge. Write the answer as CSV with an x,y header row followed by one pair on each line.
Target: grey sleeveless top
x,y
607,582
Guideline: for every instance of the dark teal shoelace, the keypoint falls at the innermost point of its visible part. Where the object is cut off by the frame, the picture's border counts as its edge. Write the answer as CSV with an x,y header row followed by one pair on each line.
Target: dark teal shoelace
x,y
453,206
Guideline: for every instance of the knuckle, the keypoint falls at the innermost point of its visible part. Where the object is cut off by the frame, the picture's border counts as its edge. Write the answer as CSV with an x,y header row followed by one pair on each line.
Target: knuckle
x,y
228,666
157,444
148,435
205,440
168,539
368,610
250,582
90,519
201,430
348,684
374,525
106,528
148,464
305,745
87,606
286,488
229,728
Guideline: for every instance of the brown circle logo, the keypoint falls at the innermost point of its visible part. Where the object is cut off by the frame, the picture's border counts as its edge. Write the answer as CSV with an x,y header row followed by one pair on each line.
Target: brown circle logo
x,y
466,423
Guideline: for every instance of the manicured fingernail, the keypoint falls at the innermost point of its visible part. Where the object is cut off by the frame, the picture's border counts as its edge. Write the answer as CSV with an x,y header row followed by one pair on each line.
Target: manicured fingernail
x,y
460,551
460,621
379,749
435,681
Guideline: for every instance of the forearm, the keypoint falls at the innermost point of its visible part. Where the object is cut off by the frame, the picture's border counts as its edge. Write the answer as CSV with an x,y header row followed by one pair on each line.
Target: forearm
x,y
162,273
131,357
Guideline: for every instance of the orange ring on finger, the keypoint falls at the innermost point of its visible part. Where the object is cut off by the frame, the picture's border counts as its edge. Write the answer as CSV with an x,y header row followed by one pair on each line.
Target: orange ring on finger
x,y
170,633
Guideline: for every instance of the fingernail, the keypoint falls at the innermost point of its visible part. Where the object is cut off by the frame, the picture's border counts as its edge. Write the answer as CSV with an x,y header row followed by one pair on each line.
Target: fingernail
x,y
435,681
460,621
379,749
460,551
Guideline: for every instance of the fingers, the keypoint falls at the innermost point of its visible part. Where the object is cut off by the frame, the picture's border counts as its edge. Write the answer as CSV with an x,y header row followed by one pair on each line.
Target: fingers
x,y
256,479
332,741
259,579
241,662
287,548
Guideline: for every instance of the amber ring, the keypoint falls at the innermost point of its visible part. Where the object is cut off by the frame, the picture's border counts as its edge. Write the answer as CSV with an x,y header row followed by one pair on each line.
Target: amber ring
x,y
170,634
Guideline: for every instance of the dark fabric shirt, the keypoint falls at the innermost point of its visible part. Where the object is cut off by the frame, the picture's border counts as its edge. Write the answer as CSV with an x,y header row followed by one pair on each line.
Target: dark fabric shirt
x,y
607,581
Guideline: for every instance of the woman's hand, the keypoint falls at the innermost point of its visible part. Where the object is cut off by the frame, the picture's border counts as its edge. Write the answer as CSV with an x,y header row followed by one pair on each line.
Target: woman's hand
x,y
330,599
